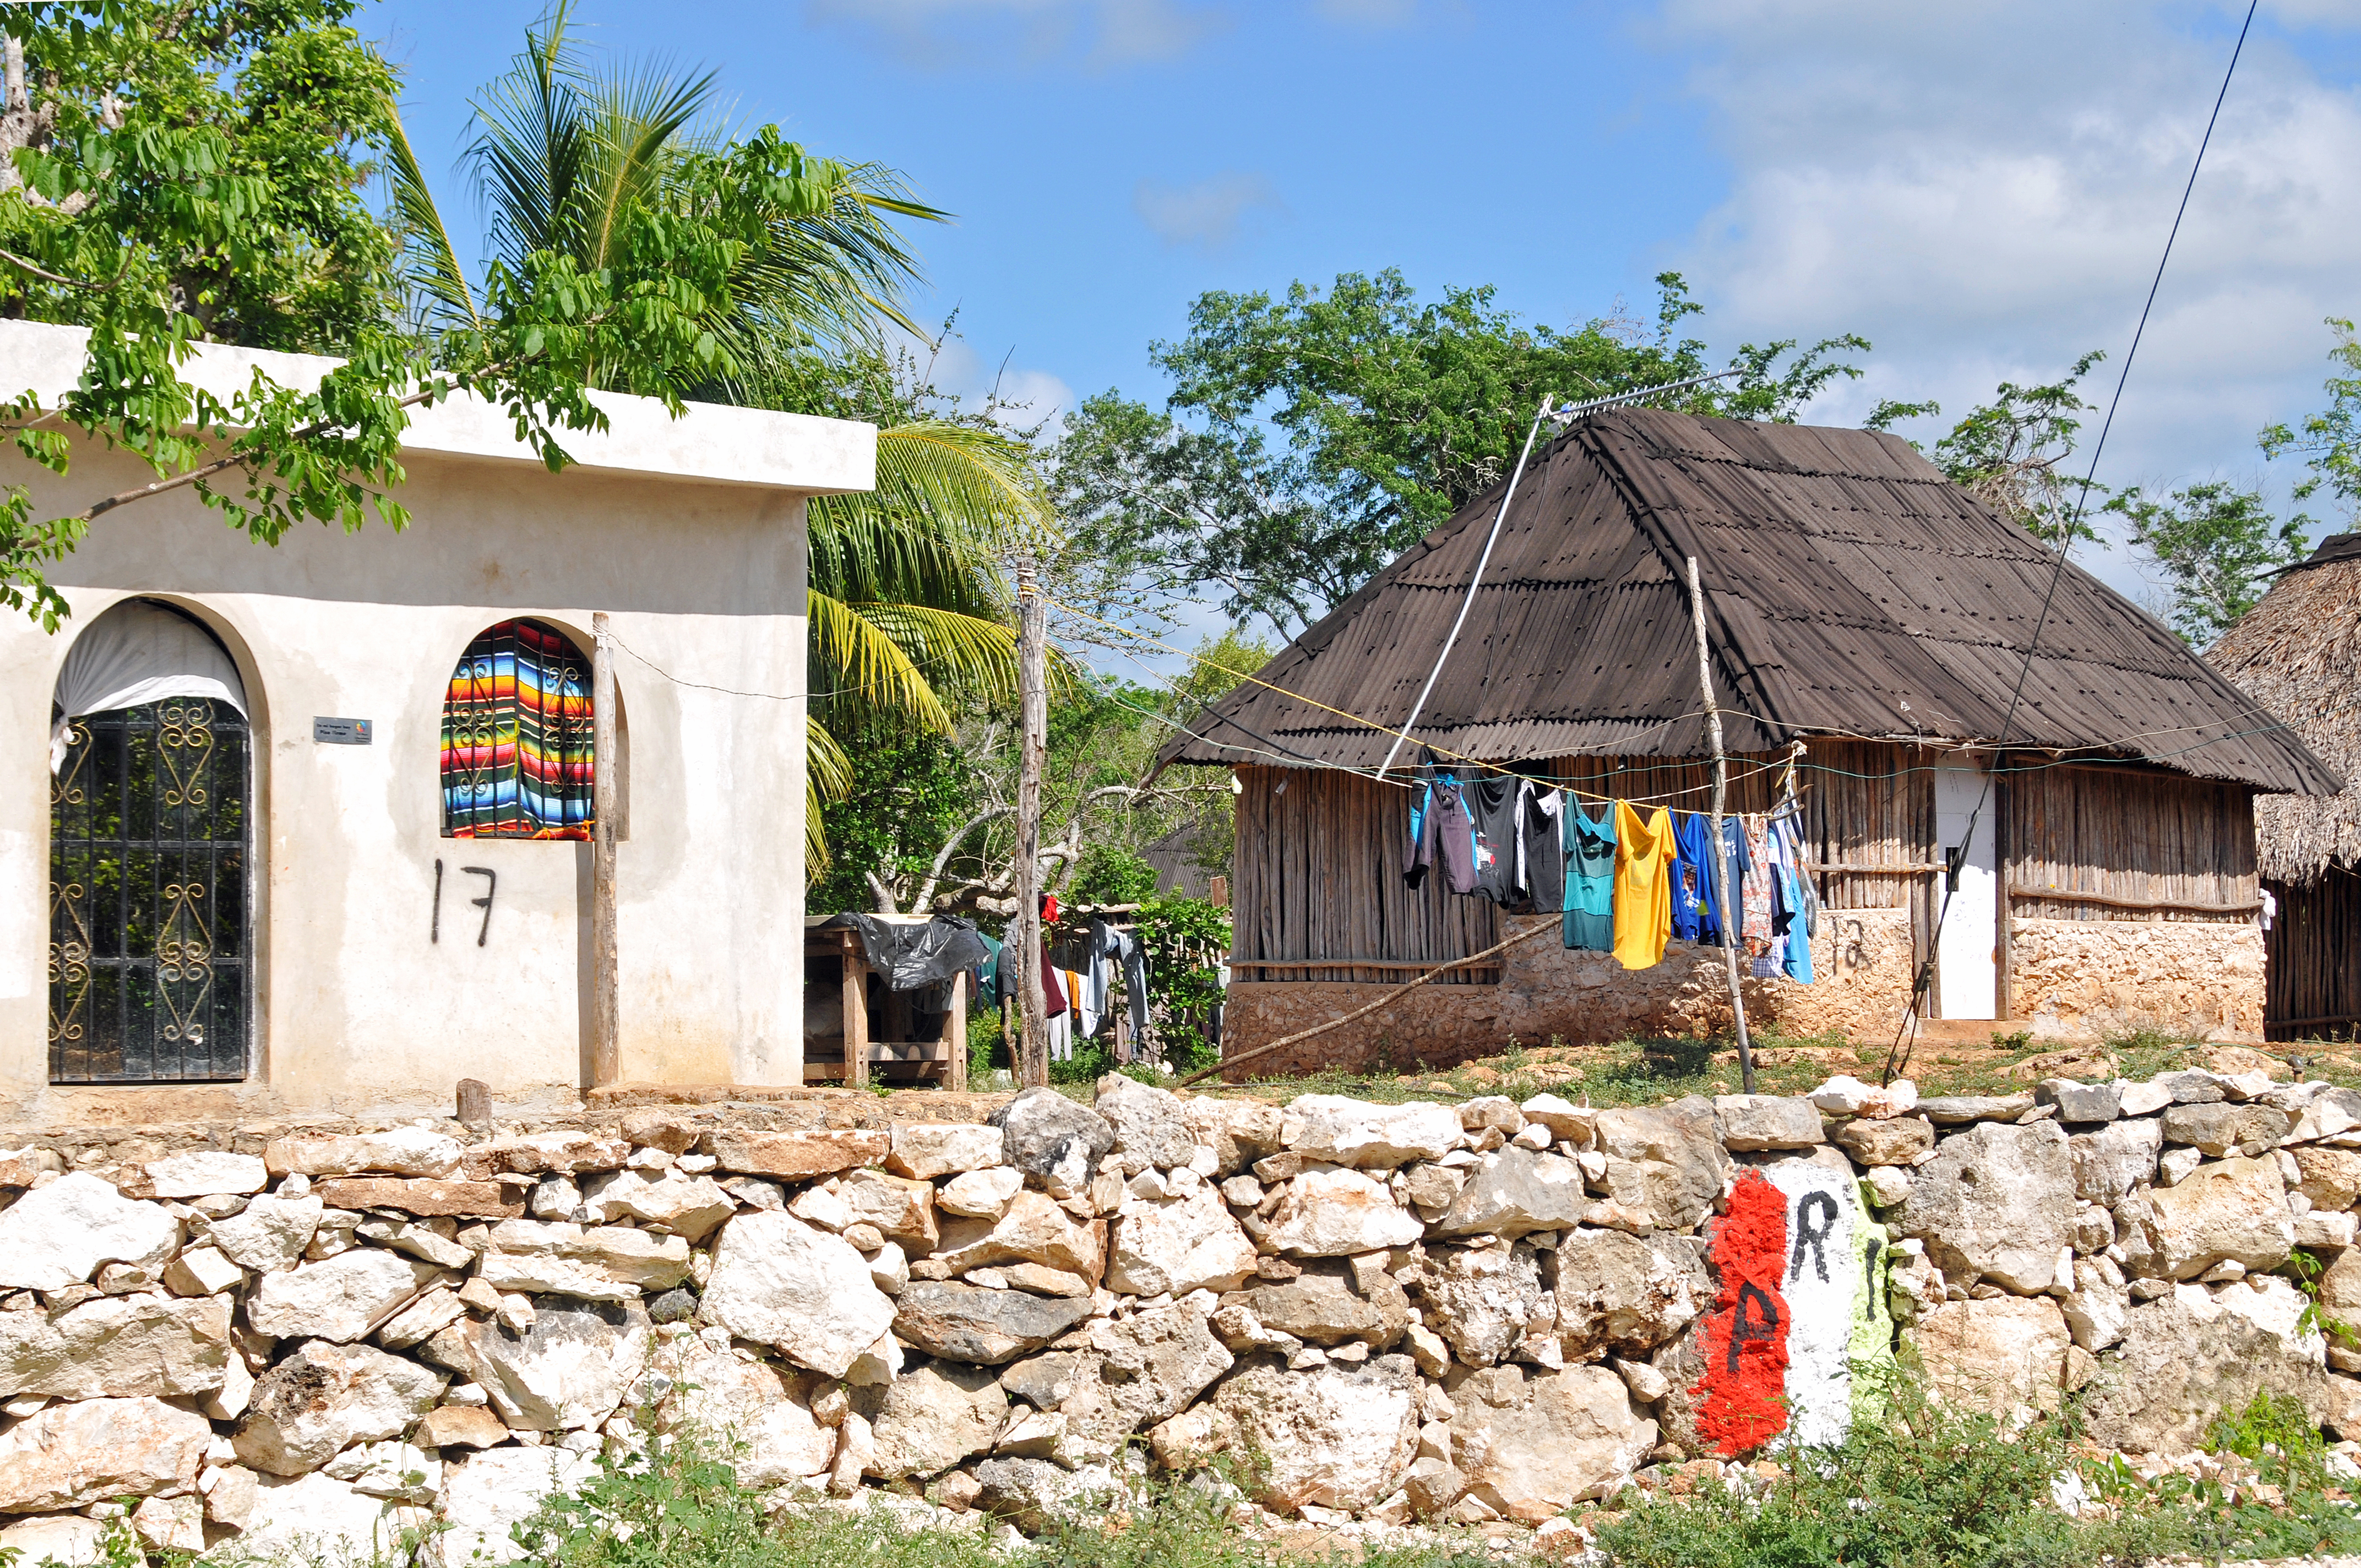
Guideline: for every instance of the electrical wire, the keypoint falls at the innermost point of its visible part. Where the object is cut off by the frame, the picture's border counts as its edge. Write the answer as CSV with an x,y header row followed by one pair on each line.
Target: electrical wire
x,y
1898,1056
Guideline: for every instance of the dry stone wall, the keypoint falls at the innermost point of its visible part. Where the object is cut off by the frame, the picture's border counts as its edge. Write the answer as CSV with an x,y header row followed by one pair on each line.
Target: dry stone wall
x,y
278,1338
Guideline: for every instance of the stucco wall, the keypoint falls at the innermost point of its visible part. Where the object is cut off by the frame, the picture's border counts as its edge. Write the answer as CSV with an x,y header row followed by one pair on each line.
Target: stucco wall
x,y
2068,978
354,1007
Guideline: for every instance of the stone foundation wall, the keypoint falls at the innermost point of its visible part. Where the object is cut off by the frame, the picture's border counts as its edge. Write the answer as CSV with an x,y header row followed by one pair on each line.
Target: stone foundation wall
x,y
2070,979
266,1333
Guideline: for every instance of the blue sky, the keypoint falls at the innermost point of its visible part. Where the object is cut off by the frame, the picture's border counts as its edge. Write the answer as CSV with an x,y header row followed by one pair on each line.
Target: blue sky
x,y
1980,190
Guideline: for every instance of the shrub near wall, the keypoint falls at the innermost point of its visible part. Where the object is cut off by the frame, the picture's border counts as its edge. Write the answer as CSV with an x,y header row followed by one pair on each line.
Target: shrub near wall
x,y
1470,1313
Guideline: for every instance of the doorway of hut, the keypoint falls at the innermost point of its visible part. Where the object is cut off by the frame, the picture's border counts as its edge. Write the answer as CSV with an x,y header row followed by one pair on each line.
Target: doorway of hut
x,y
1966,895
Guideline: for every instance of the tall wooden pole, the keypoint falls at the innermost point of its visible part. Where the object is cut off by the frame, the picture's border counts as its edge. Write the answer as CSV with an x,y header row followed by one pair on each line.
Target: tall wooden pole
x,y
605,1033
1718,858
1032,751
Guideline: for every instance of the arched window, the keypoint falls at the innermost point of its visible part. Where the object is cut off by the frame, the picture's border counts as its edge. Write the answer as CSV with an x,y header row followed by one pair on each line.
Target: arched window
x,y
517,736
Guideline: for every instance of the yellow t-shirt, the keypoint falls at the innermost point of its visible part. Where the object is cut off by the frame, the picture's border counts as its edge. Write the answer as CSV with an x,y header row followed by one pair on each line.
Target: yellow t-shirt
x,y
1643,885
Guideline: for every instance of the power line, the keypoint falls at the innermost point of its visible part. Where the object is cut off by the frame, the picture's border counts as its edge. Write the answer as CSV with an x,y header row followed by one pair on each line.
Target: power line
x,y
2058,571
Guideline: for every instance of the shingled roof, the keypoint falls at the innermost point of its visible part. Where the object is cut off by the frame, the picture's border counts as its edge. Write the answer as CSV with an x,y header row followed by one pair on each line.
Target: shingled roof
x,y
1849,591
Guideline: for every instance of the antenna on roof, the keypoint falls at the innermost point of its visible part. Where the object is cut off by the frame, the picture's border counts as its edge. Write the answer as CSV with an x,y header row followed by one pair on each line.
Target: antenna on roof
x,y
1572,411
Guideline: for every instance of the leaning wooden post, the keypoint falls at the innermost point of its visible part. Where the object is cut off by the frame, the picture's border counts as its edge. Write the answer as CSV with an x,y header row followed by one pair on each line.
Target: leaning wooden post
x,y
1718,858
1032,1052
606,1029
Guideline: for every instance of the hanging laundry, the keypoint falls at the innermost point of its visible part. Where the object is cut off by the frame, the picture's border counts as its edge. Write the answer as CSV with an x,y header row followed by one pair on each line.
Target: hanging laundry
x,y
1086,1021
1440,830
1757,894
1589,852
1736,870
1697,917
1540,848
1792,943
1643,885
1494,804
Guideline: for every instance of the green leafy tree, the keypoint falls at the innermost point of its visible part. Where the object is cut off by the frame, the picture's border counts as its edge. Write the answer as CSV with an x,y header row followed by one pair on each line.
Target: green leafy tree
x,y
2007,453
1309,438
2330,441
190,172
2216,544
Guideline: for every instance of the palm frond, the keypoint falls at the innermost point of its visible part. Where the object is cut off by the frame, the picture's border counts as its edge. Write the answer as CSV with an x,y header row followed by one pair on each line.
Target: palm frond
x,y
429,266
827,776
638,118
956,651
533,144
864,663
951,499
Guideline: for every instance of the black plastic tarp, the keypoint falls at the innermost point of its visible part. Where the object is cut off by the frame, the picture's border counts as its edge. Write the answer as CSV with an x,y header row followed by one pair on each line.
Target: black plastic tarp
x,y
911,956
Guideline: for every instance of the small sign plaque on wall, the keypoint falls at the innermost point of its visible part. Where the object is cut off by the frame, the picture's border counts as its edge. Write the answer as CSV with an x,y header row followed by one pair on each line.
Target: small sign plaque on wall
x,y
341,731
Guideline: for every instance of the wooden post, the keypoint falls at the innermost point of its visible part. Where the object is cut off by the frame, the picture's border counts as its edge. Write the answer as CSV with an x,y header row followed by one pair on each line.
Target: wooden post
x,y
1032,1053
856,1014
474,1105
2000,998
955,1033
606,1030
1718,858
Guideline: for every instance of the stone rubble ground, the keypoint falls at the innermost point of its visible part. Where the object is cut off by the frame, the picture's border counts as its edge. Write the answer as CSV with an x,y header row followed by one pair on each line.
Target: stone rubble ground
x,y
1417,1317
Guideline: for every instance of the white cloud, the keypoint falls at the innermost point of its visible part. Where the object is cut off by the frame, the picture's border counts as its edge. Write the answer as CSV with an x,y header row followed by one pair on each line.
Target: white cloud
x,y
1099,33
1983,191
1208,212
1020,397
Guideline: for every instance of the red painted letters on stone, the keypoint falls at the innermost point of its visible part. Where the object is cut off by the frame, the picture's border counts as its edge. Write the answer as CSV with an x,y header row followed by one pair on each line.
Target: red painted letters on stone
x,y
1741,1402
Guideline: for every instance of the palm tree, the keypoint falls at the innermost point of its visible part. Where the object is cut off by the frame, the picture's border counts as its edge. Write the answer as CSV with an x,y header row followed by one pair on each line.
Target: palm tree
x,y
907,602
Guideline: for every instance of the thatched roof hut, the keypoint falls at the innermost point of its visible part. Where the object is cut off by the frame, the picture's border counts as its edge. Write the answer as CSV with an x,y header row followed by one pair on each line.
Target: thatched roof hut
x,y
2298,654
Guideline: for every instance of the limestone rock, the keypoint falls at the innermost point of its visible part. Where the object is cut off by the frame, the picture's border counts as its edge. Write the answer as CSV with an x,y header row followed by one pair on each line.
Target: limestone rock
x,y
1239,1132
2098,1310
68,1540
1531,1444
1150,1131
391,1469
929,1419
205,1173
556,1154
2079,1101
461,1425
1626,1293
689,1206
902,1209
1996,1202
1340,1213
326,1398
1032,1494
1034,1229
317,1519
422,1320
2113,1160
981,1194
1755,1122
603,1263
339,1299
1680,1164
1576,1126
270,1234
2341,1400
1899,1140
1998,1355
2222,1129
1320,1306
1514,1192
486,1494
569,1368
795,1157
117,1346
2231,1211
780,1281
971,1323
1354,1133
927,1150
1952,1109
762,1412
2183,1364
425,1195
1334,1437
1142,1369
403,1151
92,1450
2332,1178
201,1271
1179,1245
1052,1140
1484,1300
58,1236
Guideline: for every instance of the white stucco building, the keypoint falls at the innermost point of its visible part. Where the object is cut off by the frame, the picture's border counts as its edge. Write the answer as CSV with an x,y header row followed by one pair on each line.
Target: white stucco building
x,y
210,912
